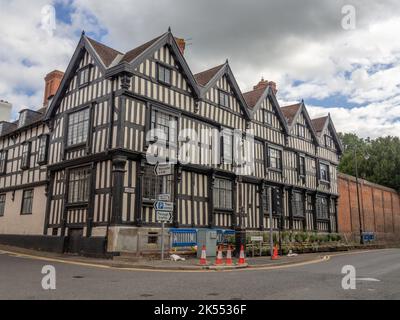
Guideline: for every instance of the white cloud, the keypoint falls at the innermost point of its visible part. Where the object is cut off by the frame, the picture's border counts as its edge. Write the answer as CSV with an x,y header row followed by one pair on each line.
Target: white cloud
x,y
285,41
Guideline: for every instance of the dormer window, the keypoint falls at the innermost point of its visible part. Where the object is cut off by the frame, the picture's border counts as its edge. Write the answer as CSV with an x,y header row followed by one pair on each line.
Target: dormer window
x,y
223,99
164,74
84,75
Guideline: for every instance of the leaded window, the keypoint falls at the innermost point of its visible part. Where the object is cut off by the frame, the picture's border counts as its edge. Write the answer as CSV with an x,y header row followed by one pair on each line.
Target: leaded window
x,y
27,202
164,74
42,153
165,123
78,127
3,161
322,208
2,204
268,116
275,158
328,141
227,140
154,185
301,130
84,76
298,204
223,194
302,166
26,155
324,172
78,185
223,99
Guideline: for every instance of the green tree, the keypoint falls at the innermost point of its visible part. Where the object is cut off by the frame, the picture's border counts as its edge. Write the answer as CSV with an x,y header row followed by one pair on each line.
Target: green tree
x,y
378,160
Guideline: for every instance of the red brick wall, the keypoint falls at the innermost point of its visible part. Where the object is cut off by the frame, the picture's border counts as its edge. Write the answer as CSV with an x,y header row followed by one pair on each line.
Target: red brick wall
x,y
380,209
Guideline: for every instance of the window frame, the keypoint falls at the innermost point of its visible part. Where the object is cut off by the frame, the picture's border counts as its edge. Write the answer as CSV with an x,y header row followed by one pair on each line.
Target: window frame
x,y
298,204
321,164
42,161
222,192
161,66
153,182
3,161
87,68
319,206
3,199
77,182
226,99
301,169
23,199
68,128
269,164
26,155
267,114
225,133
303,127
329,145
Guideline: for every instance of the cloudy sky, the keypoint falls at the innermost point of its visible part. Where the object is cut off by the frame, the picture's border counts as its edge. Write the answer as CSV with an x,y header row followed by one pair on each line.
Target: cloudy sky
x,y
352,73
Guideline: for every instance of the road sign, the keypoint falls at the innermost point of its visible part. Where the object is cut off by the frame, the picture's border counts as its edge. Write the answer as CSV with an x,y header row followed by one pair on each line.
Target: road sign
x,y
163,169
163,216
164,197
164,206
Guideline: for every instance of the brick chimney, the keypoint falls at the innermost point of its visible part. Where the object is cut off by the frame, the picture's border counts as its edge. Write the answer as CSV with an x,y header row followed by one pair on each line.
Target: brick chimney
x,y
52,82
181,44
264,84
272,84
261,85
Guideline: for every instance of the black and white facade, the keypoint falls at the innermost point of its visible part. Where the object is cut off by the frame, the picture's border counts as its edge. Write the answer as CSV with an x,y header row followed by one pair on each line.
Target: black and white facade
x,y
88,152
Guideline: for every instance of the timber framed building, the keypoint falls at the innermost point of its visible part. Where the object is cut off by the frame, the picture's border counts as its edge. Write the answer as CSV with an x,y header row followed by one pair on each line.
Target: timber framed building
x,y
76,169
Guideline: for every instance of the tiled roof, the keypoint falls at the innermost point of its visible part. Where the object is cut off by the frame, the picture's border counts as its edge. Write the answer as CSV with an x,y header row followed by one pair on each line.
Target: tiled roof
x,y
252,97
132,54
204,77
319,123
106,54
290,112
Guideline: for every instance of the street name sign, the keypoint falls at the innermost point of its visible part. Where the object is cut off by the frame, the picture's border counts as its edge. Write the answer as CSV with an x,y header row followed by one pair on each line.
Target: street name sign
x,y
163,216
163,169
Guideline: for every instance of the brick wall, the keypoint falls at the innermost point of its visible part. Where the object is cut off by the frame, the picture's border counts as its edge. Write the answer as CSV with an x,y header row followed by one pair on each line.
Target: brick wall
x,y
380,210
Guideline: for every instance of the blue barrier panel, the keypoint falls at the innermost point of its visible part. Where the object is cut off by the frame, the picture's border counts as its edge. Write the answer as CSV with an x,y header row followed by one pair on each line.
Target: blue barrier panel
x,y
368,236
183,237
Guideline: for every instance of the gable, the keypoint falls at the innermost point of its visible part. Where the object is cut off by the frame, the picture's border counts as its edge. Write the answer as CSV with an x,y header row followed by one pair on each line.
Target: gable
x,y
301,121
224,80
165,56
266,106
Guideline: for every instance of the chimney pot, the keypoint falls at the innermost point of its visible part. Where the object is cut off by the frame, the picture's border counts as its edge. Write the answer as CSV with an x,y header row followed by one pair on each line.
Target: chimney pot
x,y
52,82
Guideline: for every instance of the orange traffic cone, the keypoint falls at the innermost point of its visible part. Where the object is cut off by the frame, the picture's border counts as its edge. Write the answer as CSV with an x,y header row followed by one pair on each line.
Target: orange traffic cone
x,y
229,257
203,258
219,261
275,253
241,256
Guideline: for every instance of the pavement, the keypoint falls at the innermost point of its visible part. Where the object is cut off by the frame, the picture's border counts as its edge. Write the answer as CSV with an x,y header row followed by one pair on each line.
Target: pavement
x,y
190,263
376,276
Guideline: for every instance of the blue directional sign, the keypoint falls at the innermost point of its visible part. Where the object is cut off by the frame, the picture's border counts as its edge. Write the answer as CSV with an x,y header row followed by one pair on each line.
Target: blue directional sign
x,y
164,206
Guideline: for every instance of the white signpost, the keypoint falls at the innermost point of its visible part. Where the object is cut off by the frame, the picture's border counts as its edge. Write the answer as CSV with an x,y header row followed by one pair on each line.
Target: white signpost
x,y
163,214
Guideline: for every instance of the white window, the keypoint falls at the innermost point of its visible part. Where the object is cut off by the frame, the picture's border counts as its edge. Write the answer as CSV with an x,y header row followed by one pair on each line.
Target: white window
x,y
275,158
227,146
78,127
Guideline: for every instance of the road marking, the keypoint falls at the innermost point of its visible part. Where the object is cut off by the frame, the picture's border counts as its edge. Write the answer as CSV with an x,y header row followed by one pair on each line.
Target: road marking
x,y
368,279
86,264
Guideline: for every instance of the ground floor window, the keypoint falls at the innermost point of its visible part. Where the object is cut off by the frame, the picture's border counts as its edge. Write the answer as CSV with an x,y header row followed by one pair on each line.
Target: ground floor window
x,y
78,185
298,204
322,208
223,194
2,204
154,185
27,202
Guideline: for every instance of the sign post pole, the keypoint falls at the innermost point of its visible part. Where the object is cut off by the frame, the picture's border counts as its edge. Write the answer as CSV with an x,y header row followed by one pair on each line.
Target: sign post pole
x,y
271,238
162,240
